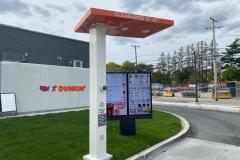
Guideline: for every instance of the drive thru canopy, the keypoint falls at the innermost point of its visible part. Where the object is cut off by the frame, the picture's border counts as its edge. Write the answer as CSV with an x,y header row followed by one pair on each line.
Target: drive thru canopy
x,y
100,23
123,24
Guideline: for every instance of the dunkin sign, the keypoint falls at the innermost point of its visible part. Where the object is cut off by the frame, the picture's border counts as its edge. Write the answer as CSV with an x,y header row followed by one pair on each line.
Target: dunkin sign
x,y
62,88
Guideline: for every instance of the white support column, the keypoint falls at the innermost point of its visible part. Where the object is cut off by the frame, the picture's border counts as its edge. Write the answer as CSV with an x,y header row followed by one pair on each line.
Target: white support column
x,y
97,116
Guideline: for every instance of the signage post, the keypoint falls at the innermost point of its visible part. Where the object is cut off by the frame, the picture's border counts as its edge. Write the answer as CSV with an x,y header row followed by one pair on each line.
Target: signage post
x,y
100,23
97,130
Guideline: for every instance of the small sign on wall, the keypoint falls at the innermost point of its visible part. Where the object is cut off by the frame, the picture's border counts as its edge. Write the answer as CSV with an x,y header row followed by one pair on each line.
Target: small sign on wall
x,y
8,102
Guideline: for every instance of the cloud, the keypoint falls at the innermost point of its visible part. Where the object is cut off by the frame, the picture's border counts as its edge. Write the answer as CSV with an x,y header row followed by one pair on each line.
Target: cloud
x,y
132,5
18,7
124,40
40,10
15,6
172,5
79,6
231,26
57,8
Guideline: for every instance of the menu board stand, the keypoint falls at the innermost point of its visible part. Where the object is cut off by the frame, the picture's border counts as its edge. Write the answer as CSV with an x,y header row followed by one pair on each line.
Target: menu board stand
x,y
128,126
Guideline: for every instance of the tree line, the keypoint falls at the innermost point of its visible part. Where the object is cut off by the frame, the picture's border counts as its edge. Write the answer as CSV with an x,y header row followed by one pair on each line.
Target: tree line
x,y
181,66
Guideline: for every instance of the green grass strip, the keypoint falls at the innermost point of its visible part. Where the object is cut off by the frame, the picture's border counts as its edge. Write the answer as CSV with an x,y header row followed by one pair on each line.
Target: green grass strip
x,y
64,136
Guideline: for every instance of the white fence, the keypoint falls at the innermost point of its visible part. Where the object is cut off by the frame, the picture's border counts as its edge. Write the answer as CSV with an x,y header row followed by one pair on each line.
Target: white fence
x,y
45,87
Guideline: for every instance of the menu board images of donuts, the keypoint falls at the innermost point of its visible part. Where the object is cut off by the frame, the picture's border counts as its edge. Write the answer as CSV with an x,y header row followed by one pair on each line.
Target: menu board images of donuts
x,y
116,94
128,94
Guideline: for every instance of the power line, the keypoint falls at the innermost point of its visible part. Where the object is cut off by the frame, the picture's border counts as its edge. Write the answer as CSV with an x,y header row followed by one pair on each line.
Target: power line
x,y
233,35
145,55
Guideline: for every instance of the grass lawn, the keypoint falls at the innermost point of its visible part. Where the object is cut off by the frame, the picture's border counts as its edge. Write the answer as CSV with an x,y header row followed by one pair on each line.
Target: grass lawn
x,y
64,136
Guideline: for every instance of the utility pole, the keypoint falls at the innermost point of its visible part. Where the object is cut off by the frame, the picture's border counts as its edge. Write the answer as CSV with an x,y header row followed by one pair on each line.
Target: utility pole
x,y
214,57
196,83
215,71
135,49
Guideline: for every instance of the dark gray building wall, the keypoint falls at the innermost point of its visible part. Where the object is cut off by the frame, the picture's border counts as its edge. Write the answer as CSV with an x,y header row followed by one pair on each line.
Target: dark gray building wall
x,y
33,47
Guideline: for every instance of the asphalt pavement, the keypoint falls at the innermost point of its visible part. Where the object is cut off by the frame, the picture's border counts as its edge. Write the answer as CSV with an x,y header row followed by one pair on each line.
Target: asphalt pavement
x,y
213,136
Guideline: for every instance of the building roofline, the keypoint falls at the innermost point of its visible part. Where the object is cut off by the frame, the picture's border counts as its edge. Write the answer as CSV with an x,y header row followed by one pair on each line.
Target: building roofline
x,y
38,32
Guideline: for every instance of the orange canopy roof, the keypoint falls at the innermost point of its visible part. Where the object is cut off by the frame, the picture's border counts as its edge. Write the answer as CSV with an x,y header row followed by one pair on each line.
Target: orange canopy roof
x,y
123,24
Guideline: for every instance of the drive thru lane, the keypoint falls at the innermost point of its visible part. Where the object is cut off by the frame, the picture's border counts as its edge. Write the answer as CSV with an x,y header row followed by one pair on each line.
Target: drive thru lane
x,y
213,135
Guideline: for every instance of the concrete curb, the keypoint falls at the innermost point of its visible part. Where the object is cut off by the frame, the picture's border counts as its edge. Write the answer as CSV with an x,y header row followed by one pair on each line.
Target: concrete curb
x,y
231,109
156,149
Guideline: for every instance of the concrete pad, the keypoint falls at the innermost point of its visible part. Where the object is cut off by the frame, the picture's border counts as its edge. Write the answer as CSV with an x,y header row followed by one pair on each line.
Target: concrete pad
x,y
197,149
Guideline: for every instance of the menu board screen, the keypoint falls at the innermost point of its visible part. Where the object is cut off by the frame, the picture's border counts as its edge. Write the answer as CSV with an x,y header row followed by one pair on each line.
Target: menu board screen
x,y
128,94
139,91
116,94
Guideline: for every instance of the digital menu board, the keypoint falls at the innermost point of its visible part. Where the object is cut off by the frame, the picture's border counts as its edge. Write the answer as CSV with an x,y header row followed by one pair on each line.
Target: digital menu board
x,y
139,91
116,94
128,94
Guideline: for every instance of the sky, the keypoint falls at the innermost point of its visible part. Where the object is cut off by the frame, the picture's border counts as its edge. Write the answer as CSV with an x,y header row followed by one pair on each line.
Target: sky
x,y
191,18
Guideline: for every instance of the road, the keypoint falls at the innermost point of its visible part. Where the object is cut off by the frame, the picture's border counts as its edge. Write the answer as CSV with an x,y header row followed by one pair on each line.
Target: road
x,y
213,135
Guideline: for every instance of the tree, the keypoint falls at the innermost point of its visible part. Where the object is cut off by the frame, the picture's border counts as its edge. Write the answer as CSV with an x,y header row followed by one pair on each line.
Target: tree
x,y
157,77
144,68
206,58
174,64
182,77
128,66
181,58
168,62
162,67
232,51
113,67
168,68
162,63
188,56
231,74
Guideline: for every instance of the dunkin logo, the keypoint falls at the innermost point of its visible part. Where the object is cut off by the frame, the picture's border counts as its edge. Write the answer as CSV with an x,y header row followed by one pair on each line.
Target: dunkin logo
x,y
62,88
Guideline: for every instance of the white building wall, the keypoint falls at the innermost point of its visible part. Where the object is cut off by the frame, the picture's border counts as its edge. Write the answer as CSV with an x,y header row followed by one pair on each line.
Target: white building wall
x,y
25,80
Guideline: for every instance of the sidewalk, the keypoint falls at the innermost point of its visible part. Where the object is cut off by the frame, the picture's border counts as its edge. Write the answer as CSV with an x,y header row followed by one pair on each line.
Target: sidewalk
x,y
159,147
188,148
205,102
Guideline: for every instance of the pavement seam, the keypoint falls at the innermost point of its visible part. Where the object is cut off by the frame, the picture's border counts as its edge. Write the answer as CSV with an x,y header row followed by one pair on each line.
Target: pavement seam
x,y
155,149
